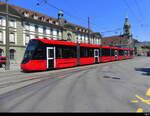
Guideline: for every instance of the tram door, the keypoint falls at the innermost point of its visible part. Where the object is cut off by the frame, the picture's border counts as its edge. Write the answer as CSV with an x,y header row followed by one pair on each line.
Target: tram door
x,y
50,57
96,55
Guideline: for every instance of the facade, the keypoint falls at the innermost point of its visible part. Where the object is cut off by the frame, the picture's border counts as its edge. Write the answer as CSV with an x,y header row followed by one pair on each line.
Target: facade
x,y
142,48
25,24
118,40
125,40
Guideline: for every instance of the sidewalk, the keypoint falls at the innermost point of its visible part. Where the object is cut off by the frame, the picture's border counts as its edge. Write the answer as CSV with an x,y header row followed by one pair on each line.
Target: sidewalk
x,y
13,67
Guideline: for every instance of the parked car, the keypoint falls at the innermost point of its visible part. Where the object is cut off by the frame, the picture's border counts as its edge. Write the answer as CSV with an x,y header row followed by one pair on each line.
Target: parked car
x,y
2,61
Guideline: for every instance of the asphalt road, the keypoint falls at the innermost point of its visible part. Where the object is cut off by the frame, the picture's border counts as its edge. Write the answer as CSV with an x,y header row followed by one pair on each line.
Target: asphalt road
x,y
121,86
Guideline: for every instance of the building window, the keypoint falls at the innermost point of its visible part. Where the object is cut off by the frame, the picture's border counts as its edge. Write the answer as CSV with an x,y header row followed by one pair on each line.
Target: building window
x,y
1,36
69,37
12,37
57,32
58,35
77,40
27,39
27,26
54,33
32,27
12,54
1,52
36,28
47,31
44,30
51,33
26,14
40,29
82,39
35,16
36,36
12,23
1,20
54,22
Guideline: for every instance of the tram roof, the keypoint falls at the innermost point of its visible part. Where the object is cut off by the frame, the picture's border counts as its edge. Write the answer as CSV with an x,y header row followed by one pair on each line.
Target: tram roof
x,y
106,47
56,42
114,47
90,45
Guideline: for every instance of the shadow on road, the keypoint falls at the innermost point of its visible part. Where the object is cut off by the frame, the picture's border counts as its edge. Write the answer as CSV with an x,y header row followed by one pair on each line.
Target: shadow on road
x,y
145,70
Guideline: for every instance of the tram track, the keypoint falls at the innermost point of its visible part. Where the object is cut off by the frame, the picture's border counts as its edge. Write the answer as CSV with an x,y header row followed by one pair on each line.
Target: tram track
x,y
22,89
23,77
37,73
35,78
78,89
39,79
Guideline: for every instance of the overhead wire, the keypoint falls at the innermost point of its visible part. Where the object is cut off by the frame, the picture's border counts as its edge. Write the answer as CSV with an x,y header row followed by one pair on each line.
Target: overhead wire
x,y
140,13
79,18
132,11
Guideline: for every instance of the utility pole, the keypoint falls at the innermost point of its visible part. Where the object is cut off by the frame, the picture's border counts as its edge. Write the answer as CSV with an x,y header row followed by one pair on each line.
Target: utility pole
x,y
89,30
7,67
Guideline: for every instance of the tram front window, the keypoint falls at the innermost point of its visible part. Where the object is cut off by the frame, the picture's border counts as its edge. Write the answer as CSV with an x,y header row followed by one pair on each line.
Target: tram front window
x,y
30,50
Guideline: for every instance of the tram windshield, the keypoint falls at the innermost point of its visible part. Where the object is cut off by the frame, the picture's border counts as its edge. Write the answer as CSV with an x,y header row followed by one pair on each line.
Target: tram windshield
x,y
30,50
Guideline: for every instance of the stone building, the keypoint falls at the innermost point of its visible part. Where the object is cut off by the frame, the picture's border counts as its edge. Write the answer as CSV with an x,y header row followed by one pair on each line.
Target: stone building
x,y
25,24
125,40
142,48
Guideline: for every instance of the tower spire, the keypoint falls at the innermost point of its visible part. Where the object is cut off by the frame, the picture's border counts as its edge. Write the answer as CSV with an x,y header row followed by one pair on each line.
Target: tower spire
x,y
61,18
127,27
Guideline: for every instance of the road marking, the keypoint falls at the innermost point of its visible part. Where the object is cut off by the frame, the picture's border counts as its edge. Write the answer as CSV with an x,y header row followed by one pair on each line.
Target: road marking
x,y
143,100
139,110
134,101
148,92
140,99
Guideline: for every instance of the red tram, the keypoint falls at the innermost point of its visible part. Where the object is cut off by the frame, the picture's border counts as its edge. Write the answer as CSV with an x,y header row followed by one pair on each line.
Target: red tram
x,y
43,54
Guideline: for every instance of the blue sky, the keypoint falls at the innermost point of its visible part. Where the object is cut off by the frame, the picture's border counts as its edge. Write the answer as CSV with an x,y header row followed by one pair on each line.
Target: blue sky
x,y
105,15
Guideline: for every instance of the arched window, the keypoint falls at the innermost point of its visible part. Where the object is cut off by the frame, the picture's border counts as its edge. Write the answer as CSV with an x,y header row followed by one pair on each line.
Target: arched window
x,y
12,54
69,36
1,52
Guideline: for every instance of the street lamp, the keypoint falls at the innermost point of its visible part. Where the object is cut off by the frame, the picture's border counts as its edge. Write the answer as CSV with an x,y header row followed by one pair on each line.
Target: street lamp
x,y
7,67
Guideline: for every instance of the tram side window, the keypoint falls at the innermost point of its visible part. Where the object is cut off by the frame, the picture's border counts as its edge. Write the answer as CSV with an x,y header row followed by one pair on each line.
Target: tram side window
x,y
128,53
86,52
90,52
59,52
65,52
68,52
131,52
105,52
83,52
125,53
121,52
112,52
